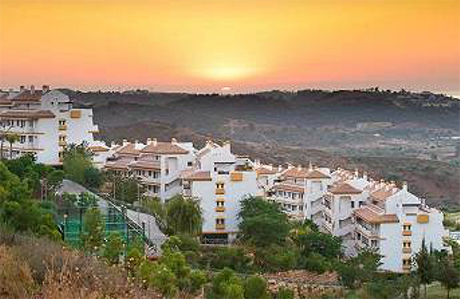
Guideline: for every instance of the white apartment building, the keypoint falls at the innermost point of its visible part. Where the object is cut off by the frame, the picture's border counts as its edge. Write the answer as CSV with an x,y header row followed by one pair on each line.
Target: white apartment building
x,y
45,120
364,213
219,181
395,222
157,164
298,190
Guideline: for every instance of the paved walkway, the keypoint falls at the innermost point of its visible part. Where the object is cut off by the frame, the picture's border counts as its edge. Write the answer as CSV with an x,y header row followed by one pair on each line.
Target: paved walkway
x,y
152,231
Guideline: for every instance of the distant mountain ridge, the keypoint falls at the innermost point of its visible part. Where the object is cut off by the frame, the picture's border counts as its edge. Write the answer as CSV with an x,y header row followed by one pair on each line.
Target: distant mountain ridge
x,y
384,132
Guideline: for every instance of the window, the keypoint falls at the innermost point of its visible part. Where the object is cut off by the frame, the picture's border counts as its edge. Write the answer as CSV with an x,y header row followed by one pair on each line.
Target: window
x,y
220,185
352,204
62,122
220,204
22,139
407,227
406,262
156,174
220,221
374,243
150,173
189,163
407,244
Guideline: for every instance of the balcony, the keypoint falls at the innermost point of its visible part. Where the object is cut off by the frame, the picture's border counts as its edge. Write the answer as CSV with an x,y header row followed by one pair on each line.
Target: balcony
x,y
62,127
236,176
407,233
220,226
220,191
62,143
220,209
407,250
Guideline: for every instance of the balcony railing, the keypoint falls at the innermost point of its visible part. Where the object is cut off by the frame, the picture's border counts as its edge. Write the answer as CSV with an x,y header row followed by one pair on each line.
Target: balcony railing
x,y
220,209
62,127
62,143
220,191
407,233
220,226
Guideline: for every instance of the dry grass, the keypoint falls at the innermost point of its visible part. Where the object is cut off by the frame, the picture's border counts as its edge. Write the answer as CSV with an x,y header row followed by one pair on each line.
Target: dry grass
x,y
15,276
34,268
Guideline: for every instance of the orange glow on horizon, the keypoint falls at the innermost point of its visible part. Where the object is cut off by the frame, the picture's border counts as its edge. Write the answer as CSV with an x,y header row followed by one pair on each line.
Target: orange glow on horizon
x,y
199,45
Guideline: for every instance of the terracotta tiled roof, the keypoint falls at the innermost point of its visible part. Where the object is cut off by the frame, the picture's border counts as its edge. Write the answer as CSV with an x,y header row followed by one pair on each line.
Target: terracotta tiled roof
x,y
371,216
288,187
27,114
198,176
146,162
295,173
164,148
119,164
381,194
128,149
26,96
265,170
345,188
316,174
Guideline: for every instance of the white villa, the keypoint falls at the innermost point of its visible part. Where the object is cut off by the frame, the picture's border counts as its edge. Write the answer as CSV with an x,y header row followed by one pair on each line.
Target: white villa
x,y
45,121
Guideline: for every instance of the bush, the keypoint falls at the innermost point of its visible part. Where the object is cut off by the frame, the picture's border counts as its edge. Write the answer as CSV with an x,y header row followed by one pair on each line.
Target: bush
x,y
234,258
315,262
284,293
276,258
255,287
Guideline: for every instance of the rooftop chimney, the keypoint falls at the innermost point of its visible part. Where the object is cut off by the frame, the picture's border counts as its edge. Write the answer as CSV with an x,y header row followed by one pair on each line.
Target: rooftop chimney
x,y
173,141
257,162
280,168
299,167
365,175
22,88
270,166
356,173
404,186
154,142
209,143
310,166
45,88
32,89
125,142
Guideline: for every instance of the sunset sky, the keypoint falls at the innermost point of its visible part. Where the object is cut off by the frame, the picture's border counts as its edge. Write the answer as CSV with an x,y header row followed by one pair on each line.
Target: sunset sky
x,y
244,45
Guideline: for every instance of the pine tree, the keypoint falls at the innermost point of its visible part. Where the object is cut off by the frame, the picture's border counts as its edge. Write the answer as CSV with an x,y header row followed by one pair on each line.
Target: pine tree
x,y
425,268
448,275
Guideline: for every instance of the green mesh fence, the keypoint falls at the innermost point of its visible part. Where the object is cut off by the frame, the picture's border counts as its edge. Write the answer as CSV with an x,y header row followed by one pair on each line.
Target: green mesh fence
x,y
113,218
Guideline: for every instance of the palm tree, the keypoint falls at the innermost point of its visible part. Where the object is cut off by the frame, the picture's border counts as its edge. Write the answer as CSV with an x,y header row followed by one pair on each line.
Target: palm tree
x,y
184,215
178,215
11,138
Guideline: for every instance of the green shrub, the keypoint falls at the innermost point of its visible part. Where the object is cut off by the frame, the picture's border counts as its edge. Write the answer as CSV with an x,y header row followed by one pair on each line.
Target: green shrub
x,y
255,287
